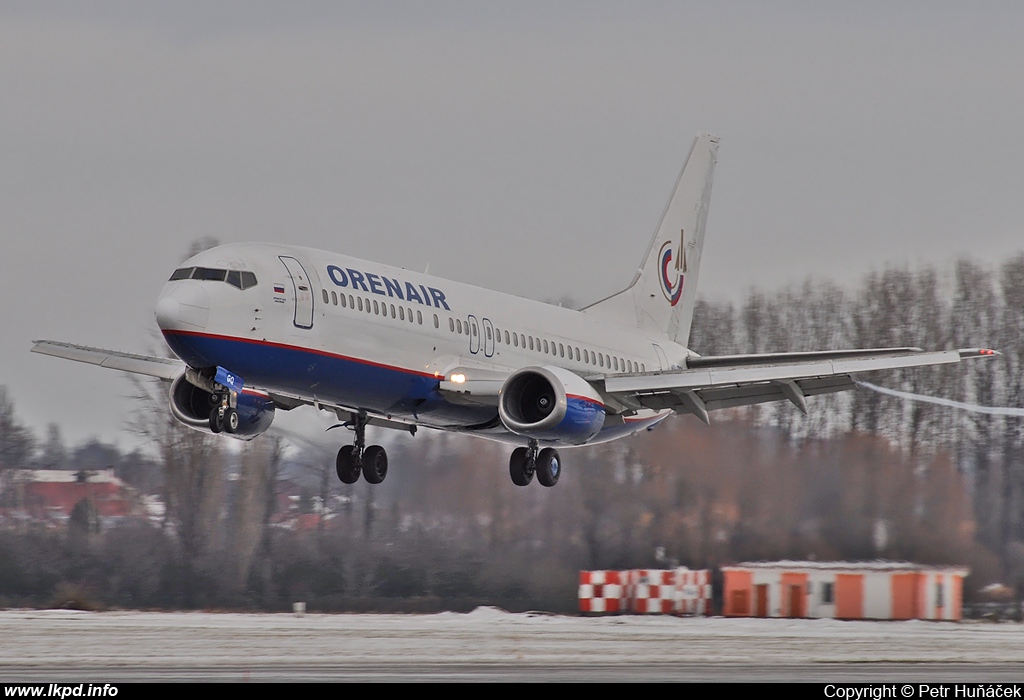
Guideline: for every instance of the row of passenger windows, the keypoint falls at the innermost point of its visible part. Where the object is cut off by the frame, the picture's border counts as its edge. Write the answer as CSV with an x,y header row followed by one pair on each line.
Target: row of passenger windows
x,y
236,278
517,340
357,303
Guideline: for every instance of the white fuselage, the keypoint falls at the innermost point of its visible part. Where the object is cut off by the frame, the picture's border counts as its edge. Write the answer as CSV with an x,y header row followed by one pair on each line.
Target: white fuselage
x,y
345,332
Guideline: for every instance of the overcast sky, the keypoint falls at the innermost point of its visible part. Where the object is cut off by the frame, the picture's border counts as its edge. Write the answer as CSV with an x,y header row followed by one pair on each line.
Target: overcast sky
x,y
528,147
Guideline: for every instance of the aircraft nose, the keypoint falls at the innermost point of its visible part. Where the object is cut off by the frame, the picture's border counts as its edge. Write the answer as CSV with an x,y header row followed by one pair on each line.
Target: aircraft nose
x,y
185,306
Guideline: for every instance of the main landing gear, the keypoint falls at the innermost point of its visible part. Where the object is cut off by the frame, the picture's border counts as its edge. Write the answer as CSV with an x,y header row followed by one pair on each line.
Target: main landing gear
x,y
356,459
527,461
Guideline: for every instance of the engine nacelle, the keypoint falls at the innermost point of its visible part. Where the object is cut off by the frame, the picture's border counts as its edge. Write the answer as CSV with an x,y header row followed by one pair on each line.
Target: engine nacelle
x,y
551,404
192,405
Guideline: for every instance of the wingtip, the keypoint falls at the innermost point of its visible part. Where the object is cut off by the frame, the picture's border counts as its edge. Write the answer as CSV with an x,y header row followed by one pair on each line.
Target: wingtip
x,y
977,352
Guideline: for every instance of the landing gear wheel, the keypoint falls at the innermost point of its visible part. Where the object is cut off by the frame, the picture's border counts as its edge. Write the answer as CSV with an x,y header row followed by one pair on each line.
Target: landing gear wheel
x,y
549,467
231,420
346,465
375,464
519,467
216,420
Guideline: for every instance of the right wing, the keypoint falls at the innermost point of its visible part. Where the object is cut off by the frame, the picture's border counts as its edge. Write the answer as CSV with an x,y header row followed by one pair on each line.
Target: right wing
x,y
168,369
160,367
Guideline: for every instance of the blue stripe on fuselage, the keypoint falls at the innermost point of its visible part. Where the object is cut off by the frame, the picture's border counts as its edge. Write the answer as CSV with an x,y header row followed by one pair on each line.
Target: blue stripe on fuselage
x,y
330,378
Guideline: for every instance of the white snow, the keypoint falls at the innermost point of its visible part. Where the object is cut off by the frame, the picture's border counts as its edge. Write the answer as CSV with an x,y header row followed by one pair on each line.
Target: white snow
x,y
487,635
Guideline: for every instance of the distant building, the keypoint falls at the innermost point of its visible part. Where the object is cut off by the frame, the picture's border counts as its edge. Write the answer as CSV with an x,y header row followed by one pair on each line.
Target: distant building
x,y
50,495
877,590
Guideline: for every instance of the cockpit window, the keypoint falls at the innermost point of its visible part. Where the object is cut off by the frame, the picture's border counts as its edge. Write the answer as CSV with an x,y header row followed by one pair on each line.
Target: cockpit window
x,y
236,278
210,274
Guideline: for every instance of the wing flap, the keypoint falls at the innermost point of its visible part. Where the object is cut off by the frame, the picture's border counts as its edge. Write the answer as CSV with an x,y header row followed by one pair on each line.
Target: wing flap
x,y
160,367
744,395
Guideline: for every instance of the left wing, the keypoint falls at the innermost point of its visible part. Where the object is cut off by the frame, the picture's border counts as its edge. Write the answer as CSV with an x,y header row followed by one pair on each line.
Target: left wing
x,y
710,383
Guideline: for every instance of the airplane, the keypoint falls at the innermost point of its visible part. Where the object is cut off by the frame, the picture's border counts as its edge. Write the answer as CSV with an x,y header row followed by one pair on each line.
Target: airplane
x,y
259,327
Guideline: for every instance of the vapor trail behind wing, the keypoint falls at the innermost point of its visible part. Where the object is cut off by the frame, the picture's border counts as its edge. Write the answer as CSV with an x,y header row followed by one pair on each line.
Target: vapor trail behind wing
x,y
974,408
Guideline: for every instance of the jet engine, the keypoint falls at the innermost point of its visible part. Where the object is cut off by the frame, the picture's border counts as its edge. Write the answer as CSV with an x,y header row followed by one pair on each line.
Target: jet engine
x,y
551,404
192,406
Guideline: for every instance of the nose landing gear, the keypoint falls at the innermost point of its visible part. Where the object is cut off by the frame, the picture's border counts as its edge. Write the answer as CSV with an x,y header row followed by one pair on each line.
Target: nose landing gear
x,y
223,415
526,462
356,459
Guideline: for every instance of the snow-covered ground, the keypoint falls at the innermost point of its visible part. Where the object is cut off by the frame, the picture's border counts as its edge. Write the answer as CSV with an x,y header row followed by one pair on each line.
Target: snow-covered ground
x,y
485,636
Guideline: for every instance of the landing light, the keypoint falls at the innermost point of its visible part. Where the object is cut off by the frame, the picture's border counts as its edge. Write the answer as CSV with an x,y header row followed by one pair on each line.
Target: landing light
x,y
457,378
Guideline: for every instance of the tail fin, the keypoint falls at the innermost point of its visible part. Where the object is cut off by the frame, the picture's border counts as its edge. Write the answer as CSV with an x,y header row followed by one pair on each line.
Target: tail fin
x,y
661,297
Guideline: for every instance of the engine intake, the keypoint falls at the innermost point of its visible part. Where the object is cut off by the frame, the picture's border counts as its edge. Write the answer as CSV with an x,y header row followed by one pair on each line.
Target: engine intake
x,y
551,404
191,405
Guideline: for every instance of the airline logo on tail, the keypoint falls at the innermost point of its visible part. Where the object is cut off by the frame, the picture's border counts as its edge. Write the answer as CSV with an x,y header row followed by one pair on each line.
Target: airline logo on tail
x,y
673,265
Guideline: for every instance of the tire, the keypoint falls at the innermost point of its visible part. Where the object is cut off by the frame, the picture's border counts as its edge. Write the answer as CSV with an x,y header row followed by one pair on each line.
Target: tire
x,y
519,467
345,465
549,467
375,464
216,421
231,420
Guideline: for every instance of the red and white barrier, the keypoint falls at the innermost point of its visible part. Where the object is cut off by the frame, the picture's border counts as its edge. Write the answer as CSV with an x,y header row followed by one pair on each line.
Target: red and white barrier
x,y
601,592
646,591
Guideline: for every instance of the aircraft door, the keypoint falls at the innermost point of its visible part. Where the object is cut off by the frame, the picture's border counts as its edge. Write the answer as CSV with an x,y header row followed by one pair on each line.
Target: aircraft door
x,y
474,335
488,333
303,289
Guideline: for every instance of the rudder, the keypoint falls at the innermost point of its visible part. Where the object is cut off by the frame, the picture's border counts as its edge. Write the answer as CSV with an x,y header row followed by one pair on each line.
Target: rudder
x,y
661,297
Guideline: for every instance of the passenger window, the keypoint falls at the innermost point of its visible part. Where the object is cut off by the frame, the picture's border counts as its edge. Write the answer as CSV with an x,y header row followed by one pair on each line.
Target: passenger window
x,y
343,304
326,298
376,307
561,350
531,342
334,298
515,340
